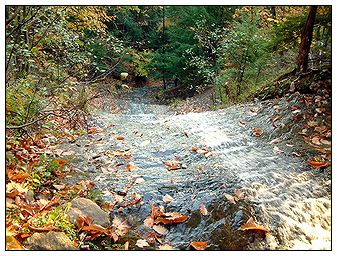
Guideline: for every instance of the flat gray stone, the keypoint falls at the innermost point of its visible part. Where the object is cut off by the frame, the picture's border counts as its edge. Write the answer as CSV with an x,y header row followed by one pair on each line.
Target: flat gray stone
x,y
85,207
49,241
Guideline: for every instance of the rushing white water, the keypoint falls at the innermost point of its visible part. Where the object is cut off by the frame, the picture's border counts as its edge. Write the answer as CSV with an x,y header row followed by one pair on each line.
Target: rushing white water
x,y
282,192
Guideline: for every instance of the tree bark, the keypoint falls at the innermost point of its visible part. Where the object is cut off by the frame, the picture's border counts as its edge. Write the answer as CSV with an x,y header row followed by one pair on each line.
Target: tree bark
x,y
306,38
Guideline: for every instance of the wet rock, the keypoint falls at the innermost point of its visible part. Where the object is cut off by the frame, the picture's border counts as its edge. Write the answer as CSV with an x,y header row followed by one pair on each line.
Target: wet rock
x,y
86,207
49,241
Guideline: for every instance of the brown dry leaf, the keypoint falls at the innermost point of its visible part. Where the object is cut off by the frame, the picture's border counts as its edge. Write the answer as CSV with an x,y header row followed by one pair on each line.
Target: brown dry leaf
x,y
156,211
148,222
160,229
312,123
14,176
120,138
277,150
41,229
173,164
326,142
11,242
230,198
59,187
257,132
242,123
239,194
274,120
251,225
208,154
193,149
121,227
142,243
165,247
203,209
170,218
130,166
199,246
318,164
168,199
14,188
316,140
126,246
10,203
68,153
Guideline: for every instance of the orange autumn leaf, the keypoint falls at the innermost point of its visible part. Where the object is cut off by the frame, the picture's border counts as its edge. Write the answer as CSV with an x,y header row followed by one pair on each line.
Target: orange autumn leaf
x,y
61,161
173,164
251,225
130,167
119,138
199,246
193,149
170,218
258,132
318,164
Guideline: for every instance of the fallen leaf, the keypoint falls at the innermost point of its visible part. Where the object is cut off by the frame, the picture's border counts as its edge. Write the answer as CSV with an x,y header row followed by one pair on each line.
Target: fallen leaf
x,y
148,222
144,143
168,199
296,154
274,120
316,140
68,153
242,123
59,187
11,242
312,123
41,229
318,164
165,247
230,198
296,111
239,194
170,218
160,229
208,154
126,246
142,243
257,132
251,225
274,141
203,209
277,150
173,164
121,228
130,167
193,149
120,138
139,181
326,142
199,246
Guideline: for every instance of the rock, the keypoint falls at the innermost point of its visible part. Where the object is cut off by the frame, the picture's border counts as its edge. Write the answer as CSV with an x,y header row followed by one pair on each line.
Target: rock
x,y
85,207
49,241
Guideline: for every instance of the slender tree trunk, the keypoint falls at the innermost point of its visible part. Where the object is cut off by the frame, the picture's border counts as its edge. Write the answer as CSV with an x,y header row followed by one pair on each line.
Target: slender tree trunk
x,y
163,42
306,38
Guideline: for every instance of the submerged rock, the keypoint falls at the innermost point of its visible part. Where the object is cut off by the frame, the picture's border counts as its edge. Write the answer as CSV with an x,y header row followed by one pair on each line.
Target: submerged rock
x,y
49,241
85,207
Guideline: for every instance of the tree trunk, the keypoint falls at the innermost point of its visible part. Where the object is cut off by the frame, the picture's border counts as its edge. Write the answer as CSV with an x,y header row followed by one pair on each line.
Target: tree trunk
x,y
306,38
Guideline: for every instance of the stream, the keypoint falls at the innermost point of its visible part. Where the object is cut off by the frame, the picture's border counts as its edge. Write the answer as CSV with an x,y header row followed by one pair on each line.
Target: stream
x,y
281,191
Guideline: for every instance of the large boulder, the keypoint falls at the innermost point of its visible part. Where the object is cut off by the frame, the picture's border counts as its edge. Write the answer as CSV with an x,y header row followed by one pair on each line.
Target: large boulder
x,y
85,207
49,241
